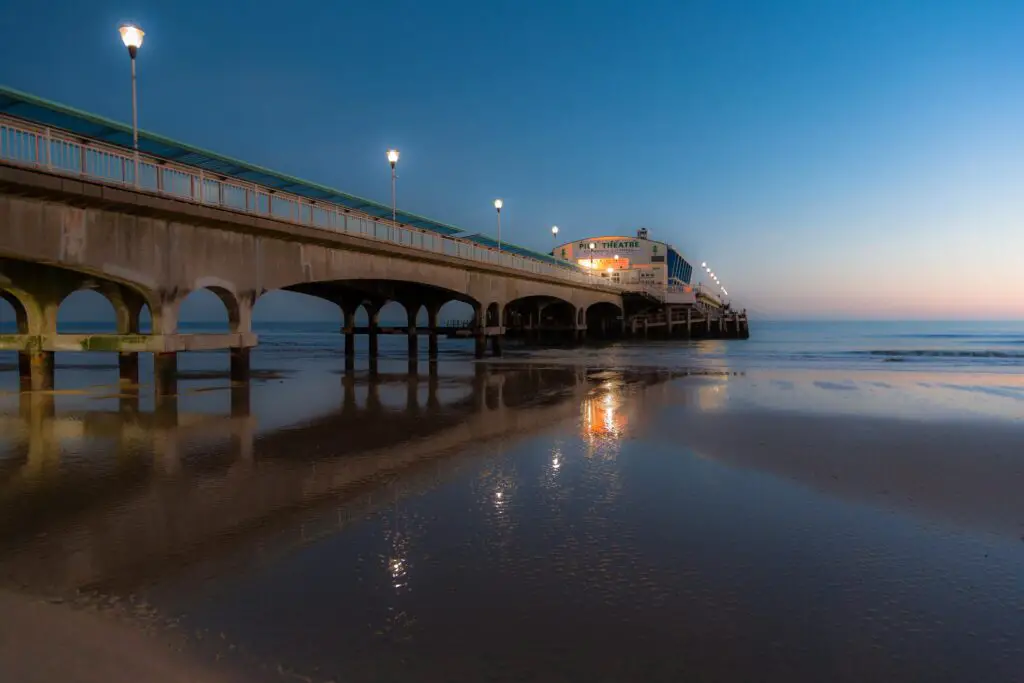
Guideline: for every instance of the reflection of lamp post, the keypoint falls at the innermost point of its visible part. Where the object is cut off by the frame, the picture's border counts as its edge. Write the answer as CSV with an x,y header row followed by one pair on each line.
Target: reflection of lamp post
x,y
393,160
132,36
497,206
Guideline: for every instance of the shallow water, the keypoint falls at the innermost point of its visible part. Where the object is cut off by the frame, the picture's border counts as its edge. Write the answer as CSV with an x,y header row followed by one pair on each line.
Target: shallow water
x,y
544,520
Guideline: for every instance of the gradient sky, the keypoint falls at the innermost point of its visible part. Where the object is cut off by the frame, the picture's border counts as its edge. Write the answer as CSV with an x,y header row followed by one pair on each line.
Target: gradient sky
x,y
829,158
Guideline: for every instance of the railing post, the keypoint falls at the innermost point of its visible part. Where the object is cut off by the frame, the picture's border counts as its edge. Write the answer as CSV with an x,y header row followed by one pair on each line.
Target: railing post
x,y
83,159
49,164
202,188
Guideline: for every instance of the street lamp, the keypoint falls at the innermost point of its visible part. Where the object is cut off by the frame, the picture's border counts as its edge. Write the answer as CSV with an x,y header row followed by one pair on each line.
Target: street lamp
x,y
393,160
554,236
591,259
497,207
132,36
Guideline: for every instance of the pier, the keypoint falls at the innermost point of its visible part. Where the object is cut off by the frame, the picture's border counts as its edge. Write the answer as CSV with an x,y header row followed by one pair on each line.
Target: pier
x,y
79,210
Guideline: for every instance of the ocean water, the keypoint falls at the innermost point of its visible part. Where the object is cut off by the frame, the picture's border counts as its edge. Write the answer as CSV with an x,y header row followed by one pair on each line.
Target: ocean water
x,y
933,346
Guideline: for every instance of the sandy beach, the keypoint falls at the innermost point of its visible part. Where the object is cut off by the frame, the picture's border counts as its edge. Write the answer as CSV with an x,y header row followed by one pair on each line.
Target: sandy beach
x,y
723,517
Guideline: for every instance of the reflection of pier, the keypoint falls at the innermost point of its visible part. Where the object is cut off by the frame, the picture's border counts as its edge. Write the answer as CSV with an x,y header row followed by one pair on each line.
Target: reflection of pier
x,y
82,523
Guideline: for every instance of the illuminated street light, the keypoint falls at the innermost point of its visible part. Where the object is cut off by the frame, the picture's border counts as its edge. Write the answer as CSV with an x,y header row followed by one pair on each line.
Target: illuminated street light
x,y
554,237
497,207
393,160
132,37
704,264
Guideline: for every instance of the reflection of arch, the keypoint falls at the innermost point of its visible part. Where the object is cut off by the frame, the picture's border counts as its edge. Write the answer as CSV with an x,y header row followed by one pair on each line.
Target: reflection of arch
x,y
20,310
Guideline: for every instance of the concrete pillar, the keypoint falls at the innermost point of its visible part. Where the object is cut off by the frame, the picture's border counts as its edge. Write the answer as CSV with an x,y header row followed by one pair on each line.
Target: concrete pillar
x,y
25,370
432,311
41,370
240,365
689,322
165,373
479,338
372,319
496,345
411,312
646,326
348,312
128,368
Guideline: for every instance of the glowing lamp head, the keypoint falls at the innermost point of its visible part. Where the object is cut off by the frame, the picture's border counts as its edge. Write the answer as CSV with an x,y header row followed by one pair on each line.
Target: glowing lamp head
x,y
393,156
131,36
609,269
592,245
498,204
554,229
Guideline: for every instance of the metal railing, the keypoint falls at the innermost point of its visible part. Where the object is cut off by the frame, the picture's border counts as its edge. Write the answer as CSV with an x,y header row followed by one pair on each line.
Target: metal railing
x,y
58,151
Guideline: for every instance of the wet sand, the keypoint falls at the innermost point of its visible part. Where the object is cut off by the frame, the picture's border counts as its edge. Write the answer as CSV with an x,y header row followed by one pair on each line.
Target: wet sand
x,y
530,524
43,642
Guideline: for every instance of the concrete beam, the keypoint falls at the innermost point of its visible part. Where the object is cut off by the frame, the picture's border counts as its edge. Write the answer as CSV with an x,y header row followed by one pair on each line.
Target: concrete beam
x,y
127,343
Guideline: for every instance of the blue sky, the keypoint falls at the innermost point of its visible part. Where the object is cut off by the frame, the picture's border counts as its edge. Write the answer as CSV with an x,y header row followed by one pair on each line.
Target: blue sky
x,y
829,158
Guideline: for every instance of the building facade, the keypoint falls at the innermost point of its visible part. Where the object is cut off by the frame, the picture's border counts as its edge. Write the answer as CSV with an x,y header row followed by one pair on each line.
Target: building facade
x,y
635,260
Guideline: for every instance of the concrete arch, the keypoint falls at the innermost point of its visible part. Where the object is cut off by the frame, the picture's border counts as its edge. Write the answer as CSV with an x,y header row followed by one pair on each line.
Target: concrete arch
x,y
227,297
42,288
99,322
603,320
16,300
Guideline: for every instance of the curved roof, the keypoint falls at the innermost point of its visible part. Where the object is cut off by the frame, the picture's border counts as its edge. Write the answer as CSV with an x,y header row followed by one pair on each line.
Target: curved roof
x,y
46,113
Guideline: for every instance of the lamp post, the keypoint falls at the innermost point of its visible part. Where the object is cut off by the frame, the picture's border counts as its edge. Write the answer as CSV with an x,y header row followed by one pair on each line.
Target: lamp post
x,y
132,36
497,207
393,160
591,260
554,238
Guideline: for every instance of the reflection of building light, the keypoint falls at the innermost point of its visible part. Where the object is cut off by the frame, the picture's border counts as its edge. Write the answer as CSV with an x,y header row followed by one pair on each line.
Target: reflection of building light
x,y
498,495
601,419
555,463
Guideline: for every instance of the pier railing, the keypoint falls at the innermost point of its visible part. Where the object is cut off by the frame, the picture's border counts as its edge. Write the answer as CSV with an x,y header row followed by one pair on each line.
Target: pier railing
x,y
58,151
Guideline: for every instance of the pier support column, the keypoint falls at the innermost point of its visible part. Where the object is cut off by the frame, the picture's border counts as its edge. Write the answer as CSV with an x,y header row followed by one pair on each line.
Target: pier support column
x,y
372,319
647,327
240,365
432,310
128,368
165,373
479,331
25,370
40,369
413,341
348,312
496,345
689,323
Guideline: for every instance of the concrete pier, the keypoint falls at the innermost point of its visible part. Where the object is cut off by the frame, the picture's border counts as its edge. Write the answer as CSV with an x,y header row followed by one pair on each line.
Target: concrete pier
x,y
165,374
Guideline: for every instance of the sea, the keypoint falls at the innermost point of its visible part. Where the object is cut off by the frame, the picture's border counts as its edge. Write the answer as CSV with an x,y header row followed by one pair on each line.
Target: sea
x,y
934,346
824,501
